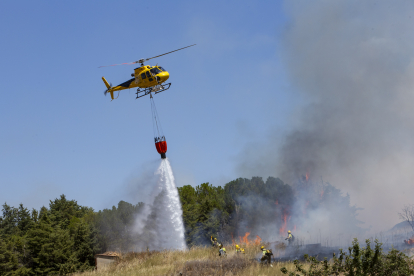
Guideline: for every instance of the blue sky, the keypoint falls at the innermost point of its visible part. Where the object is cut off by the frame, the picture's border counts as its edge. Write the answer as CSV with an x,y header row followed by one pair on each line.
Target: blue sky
x,y
60,135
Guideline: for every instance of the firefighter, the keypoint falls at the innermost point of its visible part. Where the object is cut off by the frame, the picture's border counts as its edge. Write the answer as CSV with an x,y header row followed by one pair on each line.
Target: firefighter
x,y
290,237
266,255
242,250
214,242
238,250
222,251
409,241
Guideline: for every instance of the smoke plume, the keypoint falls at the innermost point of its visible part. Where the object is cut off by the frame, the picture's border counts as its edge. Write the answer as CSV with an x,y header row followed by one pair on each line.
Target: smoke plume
x,y
315,212
353,63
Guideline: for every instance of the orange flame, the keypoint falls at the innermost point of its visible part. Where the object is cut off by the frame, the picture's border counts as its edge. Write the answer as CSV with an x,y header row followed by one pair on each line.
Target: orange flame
x,y
285,218
409,241
246,241
277,202
294,228
322,193
307,176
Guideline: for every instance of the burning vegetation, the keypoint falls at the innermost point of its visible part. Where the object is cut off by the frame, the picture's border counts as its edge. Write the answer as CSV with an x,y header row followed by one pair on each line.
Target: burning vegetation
x,y
266,210
409,241
245,241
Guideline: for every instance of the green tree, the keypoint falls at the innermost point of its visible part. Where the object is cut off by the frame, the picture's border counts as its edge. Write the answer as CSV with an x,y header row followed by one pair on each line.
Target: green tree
x,y
205,212
61,247
360,262
9,220
62,211
8,260
85,245
25,221
41,246
114,227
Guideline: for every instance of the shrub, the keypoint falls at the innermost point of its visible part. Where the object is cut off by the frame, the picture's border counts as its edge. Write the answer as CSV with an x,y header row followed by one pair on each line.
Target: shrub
x,y
360,262
215,267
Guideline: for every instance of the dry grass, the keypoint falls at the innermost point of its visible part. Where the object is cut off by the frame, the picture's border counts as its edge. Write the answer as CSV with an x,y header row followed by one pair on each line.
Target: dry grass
x,y
199,261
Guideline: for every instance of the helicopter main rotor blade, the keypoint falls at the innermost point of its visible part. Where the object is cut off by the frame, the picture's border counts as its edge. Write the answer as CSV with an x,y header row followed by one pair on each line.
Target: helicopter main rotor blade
x,y
126,63
142,60
169,52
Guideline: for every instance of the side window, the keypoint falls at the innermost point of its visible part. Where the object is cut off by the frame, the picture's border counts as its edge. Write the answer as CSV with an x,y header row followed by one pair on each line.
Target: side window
x,y
148,74
143,76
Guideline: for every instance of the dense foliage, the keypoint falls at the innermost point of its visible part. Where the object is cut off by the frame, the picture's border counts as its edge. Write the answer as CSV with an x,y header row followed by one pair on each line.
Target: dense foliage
x,y
64,237
233,210
58,240
115,227
265,208
359,262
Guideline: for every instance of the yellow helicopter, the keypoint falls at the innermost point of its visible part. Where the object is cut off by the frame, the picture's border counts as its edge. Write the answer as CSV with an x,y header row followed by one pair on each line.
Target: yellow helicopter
x,y
147,78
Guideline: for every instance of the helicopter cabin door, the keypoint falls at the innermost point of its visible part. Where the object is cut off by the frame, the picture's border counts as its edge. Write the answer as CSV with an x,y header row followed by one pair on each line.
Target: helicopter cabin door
x,y
149,76
146,78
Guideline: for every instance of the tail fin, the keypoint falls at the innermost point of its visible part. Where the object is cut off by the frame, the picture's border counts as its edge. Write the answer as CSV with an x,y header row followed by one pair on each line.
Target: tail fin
x,y
109,88
106,83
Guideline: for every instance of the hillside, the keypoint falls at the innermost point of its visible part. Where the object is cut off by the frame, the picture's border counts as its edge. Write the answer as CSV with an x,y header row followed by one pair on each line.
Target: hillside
x,y
199,261
196,261
64,237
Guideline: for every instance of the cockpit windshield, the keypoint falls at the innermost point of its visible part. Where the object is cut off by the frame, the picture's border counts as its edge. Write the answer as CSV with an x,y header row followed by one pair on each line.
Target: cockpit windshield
x,y
155,70
162,69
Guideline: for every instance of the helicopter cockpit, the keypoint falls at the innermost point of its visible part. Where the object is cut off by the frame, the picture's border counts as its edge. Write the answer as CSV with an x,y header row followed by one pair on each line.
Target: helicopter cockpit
x,y
156,70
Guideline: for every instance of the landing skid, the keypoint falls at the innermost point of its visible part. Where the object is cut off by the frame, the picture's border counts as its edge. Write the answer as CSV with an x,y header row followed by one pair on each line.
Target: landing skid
x,y
141,92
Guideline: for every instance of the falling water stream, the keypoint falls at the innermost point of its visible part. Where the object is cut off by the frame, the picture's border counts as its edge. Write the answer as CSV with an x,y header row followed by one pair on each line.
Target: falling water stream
x,y
159,225
171,215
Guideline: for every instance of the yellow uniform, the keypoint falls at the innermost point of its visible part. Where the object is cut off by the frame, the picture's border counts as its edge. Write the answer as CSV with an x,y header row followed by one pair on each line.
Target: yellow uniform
x,y
266,256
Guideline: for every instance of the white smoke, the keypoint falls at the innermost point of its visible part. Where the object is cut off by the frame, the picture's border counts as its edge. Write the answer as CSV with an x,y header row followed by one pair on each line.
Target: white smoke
x,y
354,62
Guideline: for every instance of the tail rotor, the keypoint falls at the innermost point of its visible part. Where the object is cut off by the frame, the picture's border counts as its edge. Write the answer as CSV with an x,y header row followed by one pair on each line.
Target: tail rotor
x,y
107,90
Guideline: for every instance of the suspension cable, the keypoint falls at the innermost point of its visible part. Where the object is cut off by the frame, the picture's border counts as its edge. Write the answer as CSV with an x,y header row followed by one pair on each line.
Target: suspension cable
x,y
156,123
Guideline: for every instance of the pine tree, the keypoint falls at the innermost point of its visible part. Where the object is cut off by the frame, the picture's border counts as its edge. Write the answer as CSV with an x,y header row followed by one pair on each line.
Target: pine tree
x,y
63,255
84,245
25,221
40,244
9,220
8,260
62,211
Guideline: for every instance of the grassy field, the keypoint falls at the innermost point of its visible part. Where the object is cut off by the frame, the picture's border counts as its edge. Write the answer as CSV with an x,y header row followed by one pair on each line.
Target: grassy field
x,y
198,261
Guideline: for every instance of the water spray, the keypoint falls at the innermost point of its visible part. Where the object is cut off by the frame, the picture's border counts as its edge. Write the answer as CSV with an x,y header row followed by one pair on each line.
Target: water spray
x,y
173,229
160,224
